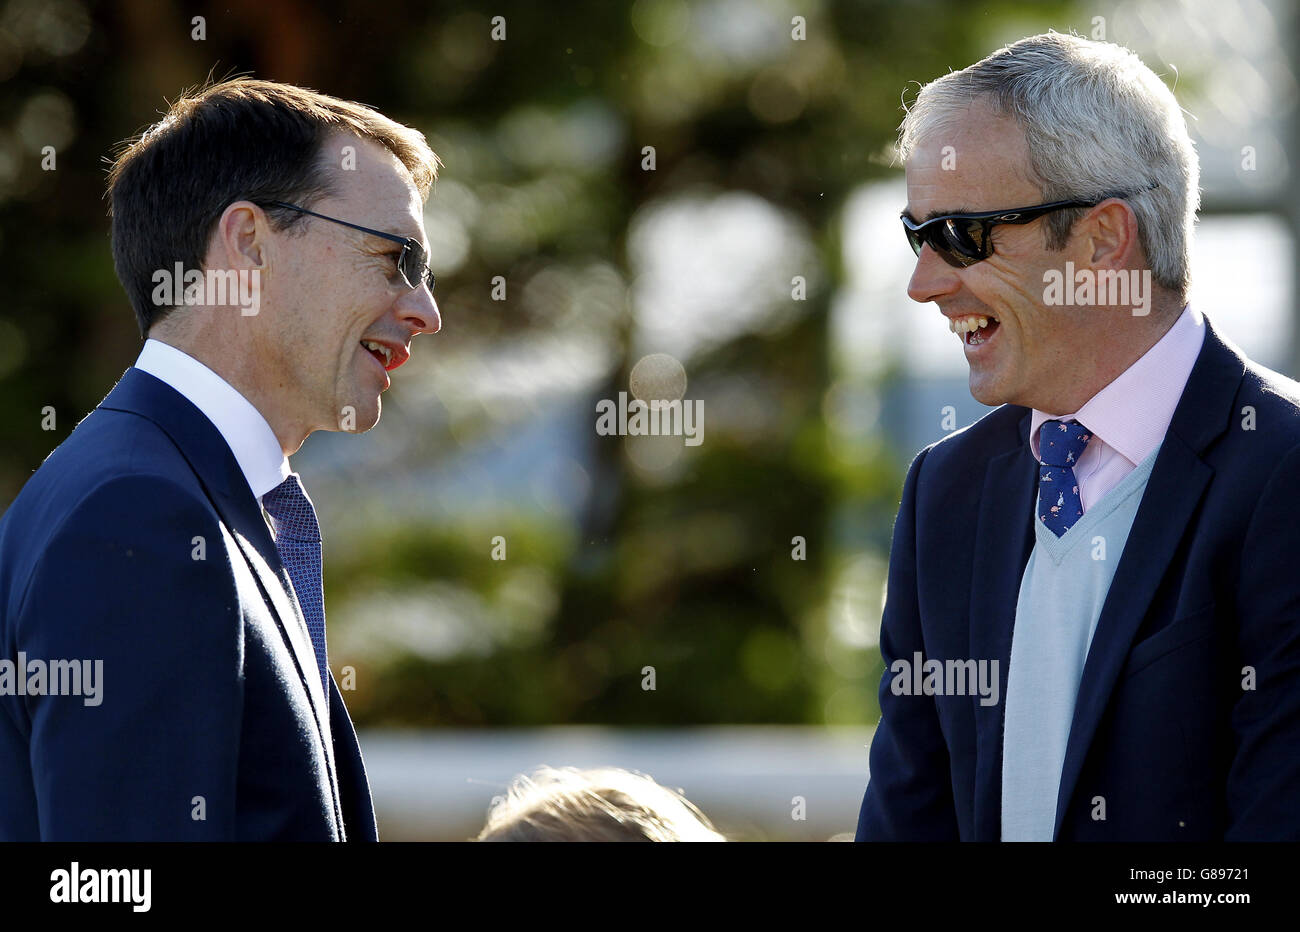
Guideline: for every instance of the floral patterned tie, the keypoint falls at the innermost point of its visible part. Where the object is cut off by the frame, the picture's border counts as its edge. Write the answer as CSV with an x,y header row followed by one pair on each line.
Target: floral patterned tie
x,y
1060,444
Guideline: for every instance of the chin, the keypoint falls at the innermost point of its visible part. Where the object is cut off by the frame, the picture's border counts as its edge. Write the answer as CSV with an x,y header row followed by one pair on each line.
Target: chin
x,y
990,385
368,418
357,418
985,394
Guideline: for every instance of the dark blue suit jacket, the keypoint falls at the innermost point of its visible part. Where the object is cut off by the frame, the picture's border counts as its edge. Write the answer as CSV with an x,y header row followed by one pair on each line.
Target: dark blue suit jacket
x,y
1166,741
139,543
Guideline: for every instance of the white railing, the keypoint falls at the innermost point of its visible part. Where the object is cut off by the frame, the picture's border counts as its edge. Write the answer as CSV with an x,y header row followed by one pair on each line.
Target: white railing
x,y
755,783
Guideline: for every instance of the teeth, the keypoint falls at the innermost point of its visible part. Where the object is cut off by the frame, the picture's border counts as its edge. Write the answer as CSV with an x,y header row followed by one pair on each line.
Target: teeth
x,y
379,347
967,324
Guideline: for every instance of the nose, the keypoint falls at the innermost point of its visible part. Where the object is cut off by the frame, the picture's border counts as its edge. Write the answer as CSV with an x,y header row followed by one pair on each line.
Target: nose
x,y
932,278
419,311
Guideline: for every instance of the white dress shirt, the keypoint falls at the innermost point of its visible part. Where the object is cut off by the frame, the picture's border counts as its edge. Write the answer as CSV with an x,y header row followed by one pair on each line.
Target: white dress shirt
x,y
242,426
245,431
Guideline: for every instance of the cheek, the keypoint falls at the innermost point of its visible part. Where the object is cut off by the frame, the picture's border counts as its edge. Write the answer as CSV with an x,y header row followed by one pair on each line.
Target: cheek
x,y
997,289
1016,299
1014,283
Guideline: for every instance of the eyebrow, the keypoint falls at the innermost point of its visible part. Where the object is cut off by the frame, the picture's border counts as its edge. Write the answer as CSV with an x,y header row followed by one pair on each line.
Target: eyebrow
x,y
382,228
935,213
415,238
404,233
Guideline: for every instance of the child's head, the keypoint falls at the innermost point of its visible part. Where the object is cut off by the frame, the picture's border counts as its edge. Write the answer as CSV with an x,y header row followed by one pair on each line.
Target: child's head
x,y
605,804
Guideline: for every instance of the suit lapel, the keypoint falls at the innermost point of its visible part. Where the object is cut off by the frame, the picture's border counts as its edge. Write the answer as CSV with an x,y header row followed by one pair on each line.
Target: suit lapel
x,y
277,589
1003,542
358,807
254,539
1174,490
209,456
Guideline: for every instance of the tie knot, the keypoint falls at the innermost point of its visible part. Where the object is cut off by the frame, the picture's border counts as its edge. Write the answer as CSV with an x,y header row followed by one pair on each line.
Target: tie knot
x,y
292,511
1061,443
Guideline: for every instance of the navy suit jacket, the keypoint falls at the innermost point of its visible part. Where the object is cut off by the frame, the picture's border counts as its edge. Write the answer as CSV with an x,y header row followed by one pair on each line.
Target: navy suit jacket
x,y
139,543
1170,740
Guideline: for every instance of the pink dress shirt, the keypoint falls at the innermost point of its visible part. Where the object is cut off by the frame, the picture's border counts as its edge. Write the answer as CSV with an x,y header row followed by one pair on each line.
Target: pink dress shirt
x,y
1129,417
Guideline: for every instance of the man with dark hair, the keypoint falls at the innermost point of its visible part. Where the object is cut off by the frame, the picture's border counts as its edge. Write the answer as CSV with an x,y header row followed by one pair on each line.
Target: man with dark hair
x,y
271,241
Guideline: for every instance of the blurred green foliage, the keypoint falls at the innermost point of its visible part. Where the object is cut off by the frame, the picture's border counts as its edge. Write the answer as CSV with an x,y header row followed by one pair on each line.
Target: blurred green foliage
x,y
687,569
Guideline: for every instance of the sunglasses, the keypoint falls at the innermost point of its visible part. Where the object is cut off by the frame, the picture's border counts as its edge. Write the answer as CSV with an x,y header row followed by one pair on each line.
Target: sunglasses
x,y
412,263
961,240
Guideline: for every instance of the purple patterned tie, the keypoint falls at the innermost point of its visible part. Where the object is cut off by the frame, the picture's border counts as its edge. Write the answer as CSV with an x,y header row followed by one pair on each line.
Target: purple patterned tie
x,y
297,538
1060,444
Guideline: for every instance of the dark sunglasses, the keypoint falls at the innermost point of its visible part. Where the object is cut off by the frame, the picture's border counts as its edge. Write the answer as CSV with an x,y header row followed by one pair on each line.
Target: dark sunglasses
x,y
412,263
961,240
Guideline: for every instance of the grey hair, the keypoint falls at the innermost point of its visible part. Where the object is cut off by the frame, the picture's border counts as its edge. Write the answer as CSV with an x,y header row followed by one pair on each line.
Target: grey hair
x,y
1097,122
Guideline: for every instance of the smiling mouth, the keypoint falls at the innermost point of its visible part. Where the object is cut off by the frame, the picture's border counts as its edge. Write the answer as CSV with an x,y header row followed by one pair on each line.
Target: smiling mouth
x,y
974,329
379,351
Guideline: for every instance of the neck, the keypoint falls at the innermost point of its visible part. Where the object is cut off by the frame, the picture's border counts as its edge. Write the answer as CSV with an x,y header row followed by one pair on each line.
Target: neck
x,y
241,365
1124,347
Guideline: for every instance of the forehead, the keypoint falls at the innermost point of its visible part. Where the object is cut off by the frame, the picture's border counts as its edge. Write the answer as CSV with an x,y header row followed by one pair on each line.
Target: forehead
x,y
974,159
374,185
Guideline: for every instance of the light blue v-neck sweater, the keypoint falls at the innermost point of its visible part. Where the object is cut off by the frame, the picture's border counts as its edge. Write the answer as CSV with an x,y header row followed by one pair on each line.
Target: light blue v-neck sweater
x,y
1061,595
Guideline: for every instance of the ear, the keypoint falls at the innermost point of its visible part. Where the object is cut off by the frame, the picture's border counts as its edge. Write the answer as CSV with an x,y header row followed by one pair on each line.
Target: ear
x,y
240,238
1112,236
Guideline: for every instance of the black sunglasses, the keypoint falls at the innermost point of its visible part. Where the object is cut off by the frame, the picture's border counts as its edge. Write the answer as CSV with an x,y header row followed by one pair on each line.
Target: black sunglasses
x,y
412,263
961,240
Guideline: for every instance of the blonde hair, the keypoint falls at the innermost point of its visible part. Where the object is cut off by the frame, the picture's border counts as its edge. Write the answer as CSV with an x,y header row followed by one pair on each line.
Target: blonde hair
x,y
604,804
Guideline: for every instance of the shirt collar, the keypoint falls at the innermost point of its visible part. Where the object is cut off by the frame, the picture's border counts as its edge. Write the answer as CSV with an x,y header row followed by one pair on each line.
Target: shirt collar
x,y
1133,412
245,431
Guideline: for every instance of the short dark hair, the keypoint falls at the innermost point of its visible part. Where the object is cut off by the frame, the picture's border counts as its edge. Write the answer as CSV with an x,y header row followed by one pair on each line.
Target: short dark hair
x,y
239,139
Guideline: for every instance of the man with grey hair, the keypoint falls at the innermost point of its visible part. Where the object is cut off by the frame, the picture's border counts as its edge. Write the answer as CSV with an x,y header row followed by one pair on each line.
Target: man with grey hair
x,y
1109,548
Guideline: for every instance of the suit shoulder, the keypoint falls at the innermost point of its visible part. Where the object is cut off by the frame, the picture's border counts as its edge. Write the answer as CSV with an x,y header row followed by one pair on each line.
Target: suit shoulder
x,y
106,446
112,463
997,432
137,513
1274,392
1263,424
